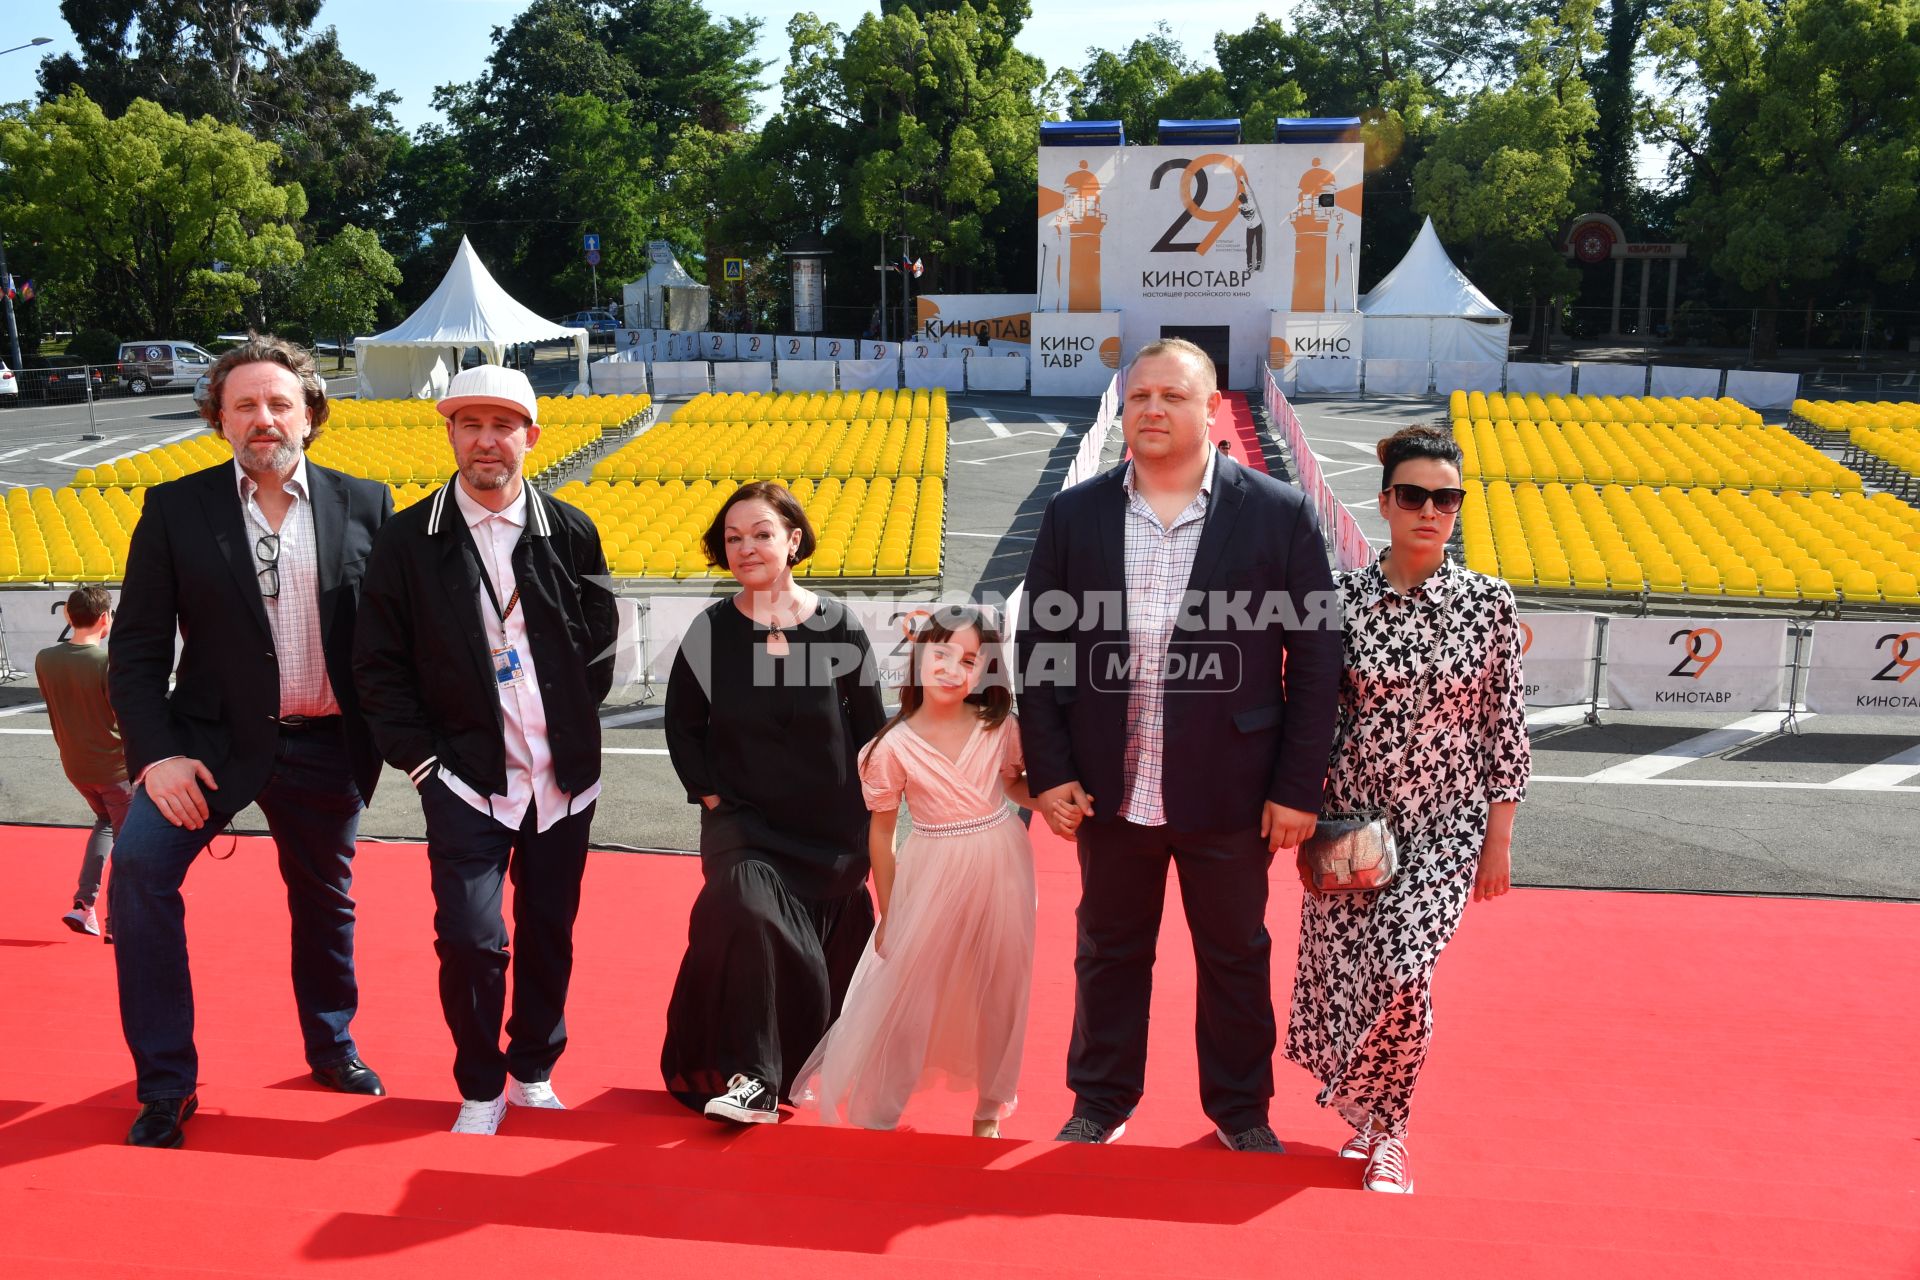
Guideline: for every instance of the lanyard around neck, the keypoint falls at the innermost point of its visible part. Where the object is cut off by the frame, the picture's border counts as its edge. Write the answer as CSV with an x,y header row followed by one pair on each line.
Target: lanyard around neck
x,y
486,582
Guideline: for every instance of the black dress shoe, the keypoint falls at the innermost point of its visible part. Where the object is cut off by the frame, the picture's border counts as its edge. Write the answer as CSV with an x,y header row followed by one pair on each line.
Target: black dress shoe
x,y
158,1124
351,1076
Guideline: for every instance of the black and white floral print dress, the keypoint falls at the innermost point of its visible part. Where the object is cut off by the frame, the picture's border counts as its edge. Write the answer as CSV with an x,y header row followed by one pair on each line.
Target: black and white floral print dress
x,y
1432,729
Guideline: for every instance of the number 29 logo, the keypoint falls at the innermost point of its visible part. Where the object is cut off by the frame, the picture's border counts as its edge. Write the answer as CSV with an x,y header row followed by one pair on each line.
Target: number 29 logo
x,y
1194,186
1703,646
1905,656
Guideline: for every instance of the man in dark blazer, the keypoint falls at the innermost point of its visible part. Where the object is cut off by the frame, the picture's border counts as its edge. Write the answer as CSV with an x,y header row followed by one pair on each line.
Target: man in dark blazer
x,y
1180,663
485,649
256,566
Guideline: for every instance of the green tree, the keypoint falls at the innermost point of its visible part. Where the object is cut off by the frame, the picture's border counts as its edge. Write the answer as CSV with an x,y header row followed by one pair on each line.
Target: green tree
x,y
919,122
257,64
1616,136
343,284
1798,131
170,222
1153,79
570,129
949,116
1267,69
1501,177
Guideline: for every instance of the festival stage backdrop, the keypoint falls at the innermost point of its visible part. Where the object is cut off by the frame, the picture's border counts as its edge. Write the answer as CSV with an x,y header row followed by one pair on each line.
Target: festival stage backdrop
x,y
1204,237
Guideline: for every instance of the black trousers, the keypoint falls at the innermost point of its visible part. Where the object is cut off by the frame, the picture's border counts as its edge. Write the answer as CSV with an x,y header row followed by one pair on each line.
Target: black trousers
x,y
1223,886
471,856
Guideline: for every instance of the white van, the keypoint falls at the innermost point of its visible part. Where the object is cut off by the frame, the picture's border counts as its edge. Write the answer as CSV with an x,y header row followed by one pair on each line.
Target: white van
x,y
160,363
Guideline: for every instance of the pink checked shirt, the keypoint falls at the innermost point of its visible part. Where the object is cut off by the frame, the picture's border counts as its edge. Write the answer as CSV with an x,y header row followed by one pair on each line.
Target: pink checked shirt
x,y
1159,563
294,615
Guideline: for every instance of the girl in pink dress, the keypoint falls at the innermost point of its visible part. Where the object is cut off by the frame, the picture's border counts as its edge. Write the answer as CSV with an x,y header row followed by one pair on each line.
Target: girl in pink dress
x,y
940,996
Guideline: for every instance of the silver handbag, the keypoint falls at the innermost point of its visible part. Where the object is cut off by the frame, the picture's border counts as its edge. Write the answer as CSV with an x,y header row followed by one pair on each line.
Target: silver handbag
x,y
1351,853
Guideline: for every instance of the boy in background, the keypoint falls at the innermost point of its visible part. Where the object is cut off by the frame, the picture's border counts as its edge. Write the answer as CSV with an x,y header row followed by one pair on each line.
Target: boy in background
x,y
72,676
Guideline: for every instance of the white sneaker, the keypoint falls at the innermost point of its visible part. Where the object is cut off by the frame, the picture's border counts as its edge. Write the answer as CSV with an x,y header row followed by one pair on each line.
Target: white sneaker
x,y
481,1117
1387,1166
746,1101
1358,1147
537,1093
82,920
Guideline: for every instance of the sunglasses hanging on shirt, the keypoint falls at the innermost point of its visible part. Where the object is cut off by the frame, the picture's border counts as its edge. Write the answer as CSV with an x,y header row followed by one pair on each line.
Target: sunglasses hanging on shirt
x,y
1412,497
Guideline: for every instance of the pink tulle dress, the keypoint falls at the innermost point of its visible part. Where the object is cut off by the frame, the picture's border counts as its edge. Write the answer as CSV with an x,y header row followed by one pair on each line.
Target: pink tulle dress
x,y
947,1005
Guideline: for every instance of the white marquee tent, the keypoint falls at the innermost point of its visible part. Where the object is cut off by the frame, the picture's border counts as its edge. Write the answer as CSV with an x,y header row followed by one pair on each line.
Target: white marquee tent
x,y
666,297
419,357
1425,309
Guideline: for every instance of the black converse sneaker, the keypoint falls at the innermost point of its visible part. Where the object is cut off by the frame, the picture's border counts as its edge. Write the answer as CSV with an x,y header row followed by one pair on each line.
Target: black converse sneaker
x,y
746,1101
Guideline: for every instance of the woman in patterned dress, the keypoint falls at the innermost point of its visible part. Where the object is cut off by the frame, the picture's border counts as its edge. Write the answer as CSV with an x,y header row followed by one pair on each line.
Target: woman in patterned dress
x,y
1433,730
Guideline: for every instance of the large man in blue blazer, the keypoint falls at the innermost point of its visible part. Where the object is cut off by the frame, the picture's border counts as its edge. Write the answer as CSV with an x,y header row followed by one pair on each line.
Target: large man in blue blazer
x,y
256,566
1180,657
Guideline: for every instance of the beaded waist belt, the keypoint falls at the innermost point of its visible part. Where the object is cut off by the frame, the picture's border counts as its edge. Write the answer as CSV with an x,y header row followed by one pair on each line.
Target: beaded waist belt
x,y
967,827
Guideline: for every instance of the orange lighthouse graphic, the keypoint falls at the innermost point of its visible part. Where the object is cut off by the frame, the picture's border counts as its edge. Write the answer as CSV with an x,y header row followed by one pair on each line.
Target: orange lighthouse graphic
x,y
1084,221
1316,215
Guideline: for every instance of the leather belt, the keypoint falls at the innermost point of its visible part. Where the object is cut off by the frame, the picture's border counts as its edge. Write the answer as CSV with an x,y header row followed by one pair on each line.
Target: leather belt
x,y
300,724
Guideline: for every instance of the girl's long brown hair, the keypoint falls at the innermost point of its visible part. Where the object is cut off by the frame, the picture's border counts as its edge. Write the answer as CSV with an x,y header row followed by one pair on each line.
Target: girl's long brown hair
x,y
992,698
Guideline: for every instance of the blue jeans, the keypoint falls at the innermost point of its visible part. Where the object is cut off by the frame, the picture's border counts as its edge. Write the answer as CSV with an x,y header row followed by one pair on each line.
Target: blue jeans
x,y
313,810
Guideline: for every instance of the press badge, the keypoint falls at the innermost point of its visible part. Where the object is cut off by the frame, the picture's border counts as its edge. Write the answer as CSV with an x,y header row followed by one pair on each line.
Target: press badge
x,y
506,667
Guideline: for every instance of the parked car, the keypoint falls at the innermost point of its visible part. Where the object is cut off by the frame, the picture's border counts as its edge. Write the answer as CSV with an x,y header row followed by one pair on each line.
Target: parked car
x,y
70,383
200,386
159,362
594,321
9,385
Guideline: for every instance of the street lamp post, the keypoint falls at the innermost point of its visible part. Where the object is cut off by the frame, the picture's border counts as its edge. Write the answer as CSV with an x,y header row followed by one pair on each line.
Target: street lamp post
x,y
13,329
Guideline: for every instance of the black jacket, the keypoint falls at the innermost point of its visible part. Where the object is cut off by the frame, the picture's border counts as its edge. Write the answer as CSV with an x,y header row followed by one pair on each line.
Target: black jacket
x,y
191,569
421,658
1249,713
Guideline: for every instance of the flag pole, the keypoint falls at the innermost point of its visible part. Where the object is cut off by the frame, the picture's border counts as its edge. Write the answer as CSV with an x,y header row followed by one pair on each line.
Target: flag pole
x,y
13,330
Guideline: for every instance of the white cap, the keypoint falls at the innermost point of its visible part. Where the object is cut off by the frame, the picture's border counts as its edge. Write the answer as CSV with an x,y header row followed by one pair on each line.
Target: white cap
x,y
489,384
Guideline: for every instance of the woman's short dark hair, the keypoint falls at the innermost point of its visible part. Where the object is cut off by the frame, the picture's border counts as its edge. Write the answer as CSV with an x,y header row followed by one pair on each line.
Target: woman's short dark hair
x,y
1413,442
775,495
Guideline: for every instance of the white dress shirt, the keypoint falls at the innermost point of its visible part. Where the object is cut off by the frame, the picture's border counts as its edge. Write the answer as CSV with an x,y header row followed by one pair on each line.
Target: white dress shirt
x,y
530,777
294,614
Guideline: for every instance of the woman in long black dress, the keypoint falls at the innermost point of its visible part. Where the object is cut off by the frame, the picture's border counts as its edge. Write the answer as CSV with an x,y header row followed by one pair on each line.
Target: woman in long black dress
x,y
770,700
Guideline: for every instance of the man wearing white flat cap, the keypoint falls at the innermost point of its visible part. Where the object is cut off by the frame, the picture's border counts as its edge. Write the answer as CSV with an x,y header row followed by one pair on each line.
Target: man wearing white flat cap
x,y
484,649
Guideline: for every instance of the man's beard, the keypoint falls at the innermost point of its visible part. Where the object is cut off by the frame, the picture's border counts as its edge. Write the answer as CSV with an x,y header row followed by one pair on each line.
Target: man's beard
x,y
284,454
479,479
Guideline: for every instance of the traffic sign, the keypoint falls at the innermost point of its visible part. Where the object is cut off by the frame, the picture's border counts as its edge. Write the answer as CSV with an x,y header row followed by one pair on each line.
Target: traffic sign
x,y
591,243
733,268
593,257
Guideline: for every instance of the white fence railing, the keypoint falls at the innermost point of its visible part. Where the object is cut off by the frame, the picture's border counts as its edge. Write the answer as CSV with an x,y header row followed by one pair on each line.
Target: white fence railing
x,y
1351,549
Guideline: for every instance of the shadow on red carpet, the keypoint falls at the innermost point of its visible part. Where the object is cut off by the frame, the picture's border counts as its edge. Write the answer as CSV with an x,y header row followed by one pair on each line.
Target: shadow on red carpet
x,y
1622,1085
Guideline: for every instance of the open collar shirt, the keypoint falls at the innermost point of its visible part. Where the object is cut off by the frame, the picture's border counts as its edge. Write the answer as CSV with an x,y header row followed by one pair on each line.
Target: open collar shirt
x,y
1159,563
530,777
293,614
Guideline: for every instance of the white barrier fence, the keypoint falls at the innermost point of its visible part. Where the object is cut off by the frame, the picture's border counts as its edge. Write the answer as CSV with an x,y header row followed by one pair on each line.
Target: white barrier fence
x,y
1755,389
1351,549
677,367
660,624
1740,665
1570,659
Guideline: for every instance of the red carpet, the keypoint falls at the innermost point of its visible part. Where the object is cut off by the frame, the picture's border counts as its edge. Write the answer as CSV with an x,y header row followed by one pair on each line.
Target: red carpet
x,y
1234,424
1623,1086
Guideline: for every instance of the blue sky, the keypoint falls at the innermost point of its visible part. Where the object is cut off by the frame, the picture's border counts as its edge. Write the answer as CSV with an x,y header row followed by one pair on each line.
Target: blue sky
x,y
413,46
